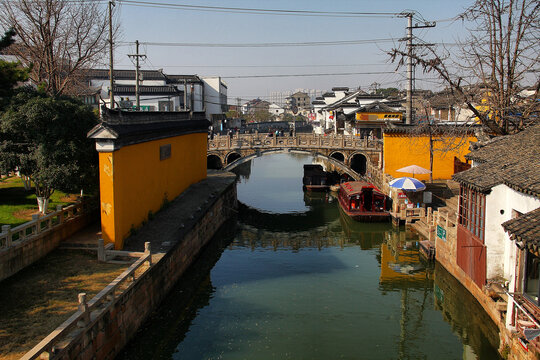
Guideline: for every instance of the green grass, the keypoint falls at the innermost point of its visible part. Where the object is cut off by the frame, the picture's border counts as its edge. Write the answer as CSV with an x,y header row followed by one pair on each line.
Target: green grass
x,y
17,205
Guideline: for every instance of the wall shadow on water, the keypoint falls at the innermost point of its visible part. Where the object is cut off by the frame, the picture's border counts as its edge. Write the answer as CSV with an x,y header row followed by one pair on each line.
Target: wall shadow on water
x,y
167,326
471,323
319,214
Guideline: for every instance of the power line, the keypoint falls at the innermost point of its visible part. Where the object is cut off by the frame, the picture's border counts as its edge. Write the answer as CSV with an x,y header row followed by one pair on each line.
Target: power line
x,y
241,45
305,75
240,10
266,66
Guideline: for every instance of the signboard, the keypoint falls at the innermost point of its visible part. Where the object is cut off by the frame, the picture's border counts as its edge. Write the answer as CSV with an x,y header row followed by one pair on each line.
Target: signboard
x,y
441,233
401,195
165,152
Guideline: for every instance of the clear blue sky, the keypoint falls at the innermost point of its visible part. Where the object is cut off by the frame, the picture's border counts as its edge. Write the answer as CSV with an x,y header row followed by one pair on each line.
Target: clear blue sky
x,y
150,24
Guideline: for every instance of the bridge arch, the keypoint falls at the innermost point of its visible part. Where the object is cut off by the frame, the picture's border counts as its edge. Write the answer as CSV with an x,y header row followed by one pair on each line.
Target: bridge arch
x,y
338,155
358,162
214,161
232,157
338,164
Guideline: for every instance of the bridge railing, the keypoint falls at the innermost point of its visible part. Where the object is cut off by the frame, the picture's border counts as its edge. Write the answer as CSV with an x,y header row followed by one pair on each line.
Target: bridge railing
x,y
254,141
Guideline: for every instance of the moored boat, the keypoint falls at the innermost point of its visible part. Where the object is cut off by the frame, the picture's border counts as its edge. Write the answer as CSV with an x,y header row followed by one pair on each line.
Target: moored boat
x,y
362,201
315,178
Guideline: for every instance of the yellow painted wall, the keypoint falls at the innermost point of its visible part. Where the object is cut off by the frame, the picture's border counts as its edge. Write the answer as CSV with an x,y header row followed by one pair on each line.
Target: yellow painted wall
x,y
400,150
134,181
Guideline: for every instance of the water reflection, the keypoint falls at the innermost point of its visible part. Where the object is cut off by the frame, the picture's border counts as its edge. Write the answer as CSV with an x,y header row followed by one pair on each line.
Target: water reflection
x,y
469,321
307,283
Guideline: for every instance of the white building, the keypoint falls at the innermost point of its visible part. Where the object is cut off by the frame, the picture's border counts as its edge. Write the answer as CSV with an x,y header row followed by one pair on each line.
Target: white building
x,y
332,108
162,92
275,110
503,184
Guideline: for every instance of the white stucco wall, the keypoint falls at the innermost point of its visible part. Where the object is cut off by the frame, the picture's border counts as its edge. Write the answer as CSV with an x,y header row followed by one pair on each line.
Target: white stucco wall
x,y
213,91
501,251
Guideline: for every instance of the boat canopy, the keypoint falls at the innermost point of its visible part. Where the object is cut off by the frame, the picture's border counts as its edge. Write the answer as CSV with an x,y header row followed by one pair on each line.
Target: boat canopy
x,y
356,187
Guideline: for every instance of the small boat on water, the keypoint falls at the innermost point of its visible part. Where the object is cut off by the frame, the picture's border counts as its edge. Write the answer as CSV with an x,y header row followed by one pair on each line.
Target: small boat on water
x,y
362,201
315,178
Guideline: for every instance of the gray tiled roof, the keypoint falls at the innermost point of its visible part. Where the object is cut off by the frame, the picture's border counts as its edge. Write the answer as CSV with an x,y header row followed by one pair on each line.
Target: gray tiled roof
x,y
119,74
525,228
147,90
513,160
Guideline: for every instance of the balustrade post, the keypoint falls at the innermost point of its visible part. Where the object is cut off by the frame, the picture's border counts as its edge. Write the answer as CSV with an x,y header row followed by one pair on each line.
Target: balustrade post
x,y
7,230
83,307
101,250
148,251
36,226
60,214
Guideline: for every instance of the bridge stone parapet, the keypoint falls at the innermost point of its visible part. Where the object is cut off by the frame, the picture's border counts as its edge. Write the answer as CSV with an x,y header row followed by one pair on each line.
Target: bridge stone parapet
x,y
340,147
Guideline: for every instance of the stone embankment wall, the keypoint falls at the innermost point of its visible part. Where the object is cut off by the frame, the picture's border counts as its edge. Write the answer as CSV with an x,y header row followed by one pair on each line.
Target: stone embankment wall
x,y
100,329
23,245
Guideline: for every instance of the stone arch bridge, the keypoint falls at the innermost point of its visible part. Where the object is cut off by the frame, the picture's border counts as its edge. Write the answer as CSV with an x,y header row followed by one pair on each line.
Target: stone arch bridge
x,y
344,152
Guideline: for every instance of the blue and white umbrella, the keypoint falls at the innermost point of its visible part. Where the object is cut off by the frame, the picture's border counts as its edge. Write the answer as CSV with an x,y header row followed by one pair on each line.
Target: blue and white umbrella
x,y
407,184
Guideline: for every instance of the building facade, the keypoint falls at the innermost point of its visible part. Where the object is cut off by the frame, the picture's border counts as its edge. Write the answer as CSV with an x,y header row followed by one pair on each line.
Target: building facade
x,y
161,92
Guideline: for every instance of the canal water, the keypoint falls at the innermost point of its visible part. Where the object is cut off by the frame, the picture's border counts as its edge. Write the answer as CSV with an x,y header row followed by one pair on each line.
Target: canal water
x,y
293,278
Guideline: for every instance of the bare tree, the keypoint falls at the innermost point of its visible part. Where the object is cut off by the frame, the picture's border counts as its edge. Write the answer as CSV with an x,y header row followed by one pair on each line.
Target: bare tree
x,y
57,38
501,52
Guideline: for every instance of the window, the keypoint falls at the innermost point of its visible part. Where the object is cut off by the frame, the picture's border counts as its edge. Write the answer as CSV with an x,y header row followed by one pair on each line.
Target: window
x,y
472,210
532,271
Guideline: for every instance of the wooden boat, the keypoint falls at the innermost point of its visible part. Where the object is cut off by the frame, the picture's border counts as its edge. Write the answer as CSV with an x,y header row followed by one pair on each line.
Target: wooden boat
x,y
315,178
362,201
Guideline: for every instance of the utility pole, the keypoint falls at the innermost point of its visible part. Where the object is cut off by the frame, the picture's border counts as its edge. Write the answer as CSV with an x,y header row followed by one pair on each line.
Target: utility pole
x,y
137,75
111,62
408,117
410,45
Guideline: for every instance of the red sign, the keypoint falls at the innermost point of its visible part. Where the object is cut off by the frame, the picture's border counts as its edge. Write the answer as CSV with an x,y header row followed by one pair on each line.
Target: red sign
x,y
401,195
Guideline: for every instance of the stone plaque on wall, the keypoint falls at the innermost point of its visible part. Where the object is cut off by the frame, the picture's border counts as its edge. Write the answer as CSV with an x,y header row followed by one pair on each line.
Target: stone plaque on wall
x,y
165,152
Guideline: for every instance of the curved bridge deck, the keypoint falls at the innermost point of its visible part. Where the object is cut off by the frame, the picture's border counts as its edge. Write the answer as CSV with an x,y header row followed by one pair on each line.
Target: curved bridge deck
x,y
299,141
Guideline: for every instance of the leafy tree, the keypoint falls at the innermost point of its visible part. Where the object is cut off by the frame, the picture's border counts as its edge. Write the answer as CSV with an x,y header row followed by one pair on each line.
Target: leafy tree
x,y
11,73
45,138
232,114
259,116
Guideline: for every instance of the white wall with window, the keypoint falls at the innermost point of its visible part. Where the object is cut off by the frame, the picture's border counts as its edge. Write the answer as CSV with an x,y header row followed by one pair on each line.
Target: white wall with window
x,y
503,204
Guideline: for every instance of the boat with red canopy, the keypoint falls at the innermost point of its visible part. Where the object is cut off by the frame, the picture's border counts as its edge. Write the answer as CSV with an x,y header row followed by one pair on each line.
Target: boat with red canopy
x,y
363,201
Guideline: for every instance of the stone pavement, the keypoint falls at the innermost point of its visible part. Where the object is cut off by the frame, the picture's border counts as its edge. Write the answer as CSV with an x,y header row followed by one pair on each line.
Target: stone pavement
x,y
182,210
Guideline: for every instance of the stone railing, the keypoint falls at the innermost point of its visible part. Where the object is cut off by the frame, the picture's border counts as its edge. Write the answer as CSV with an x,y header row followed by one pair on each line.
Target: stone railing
x,y
89,313
14,236
308,141
24,244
